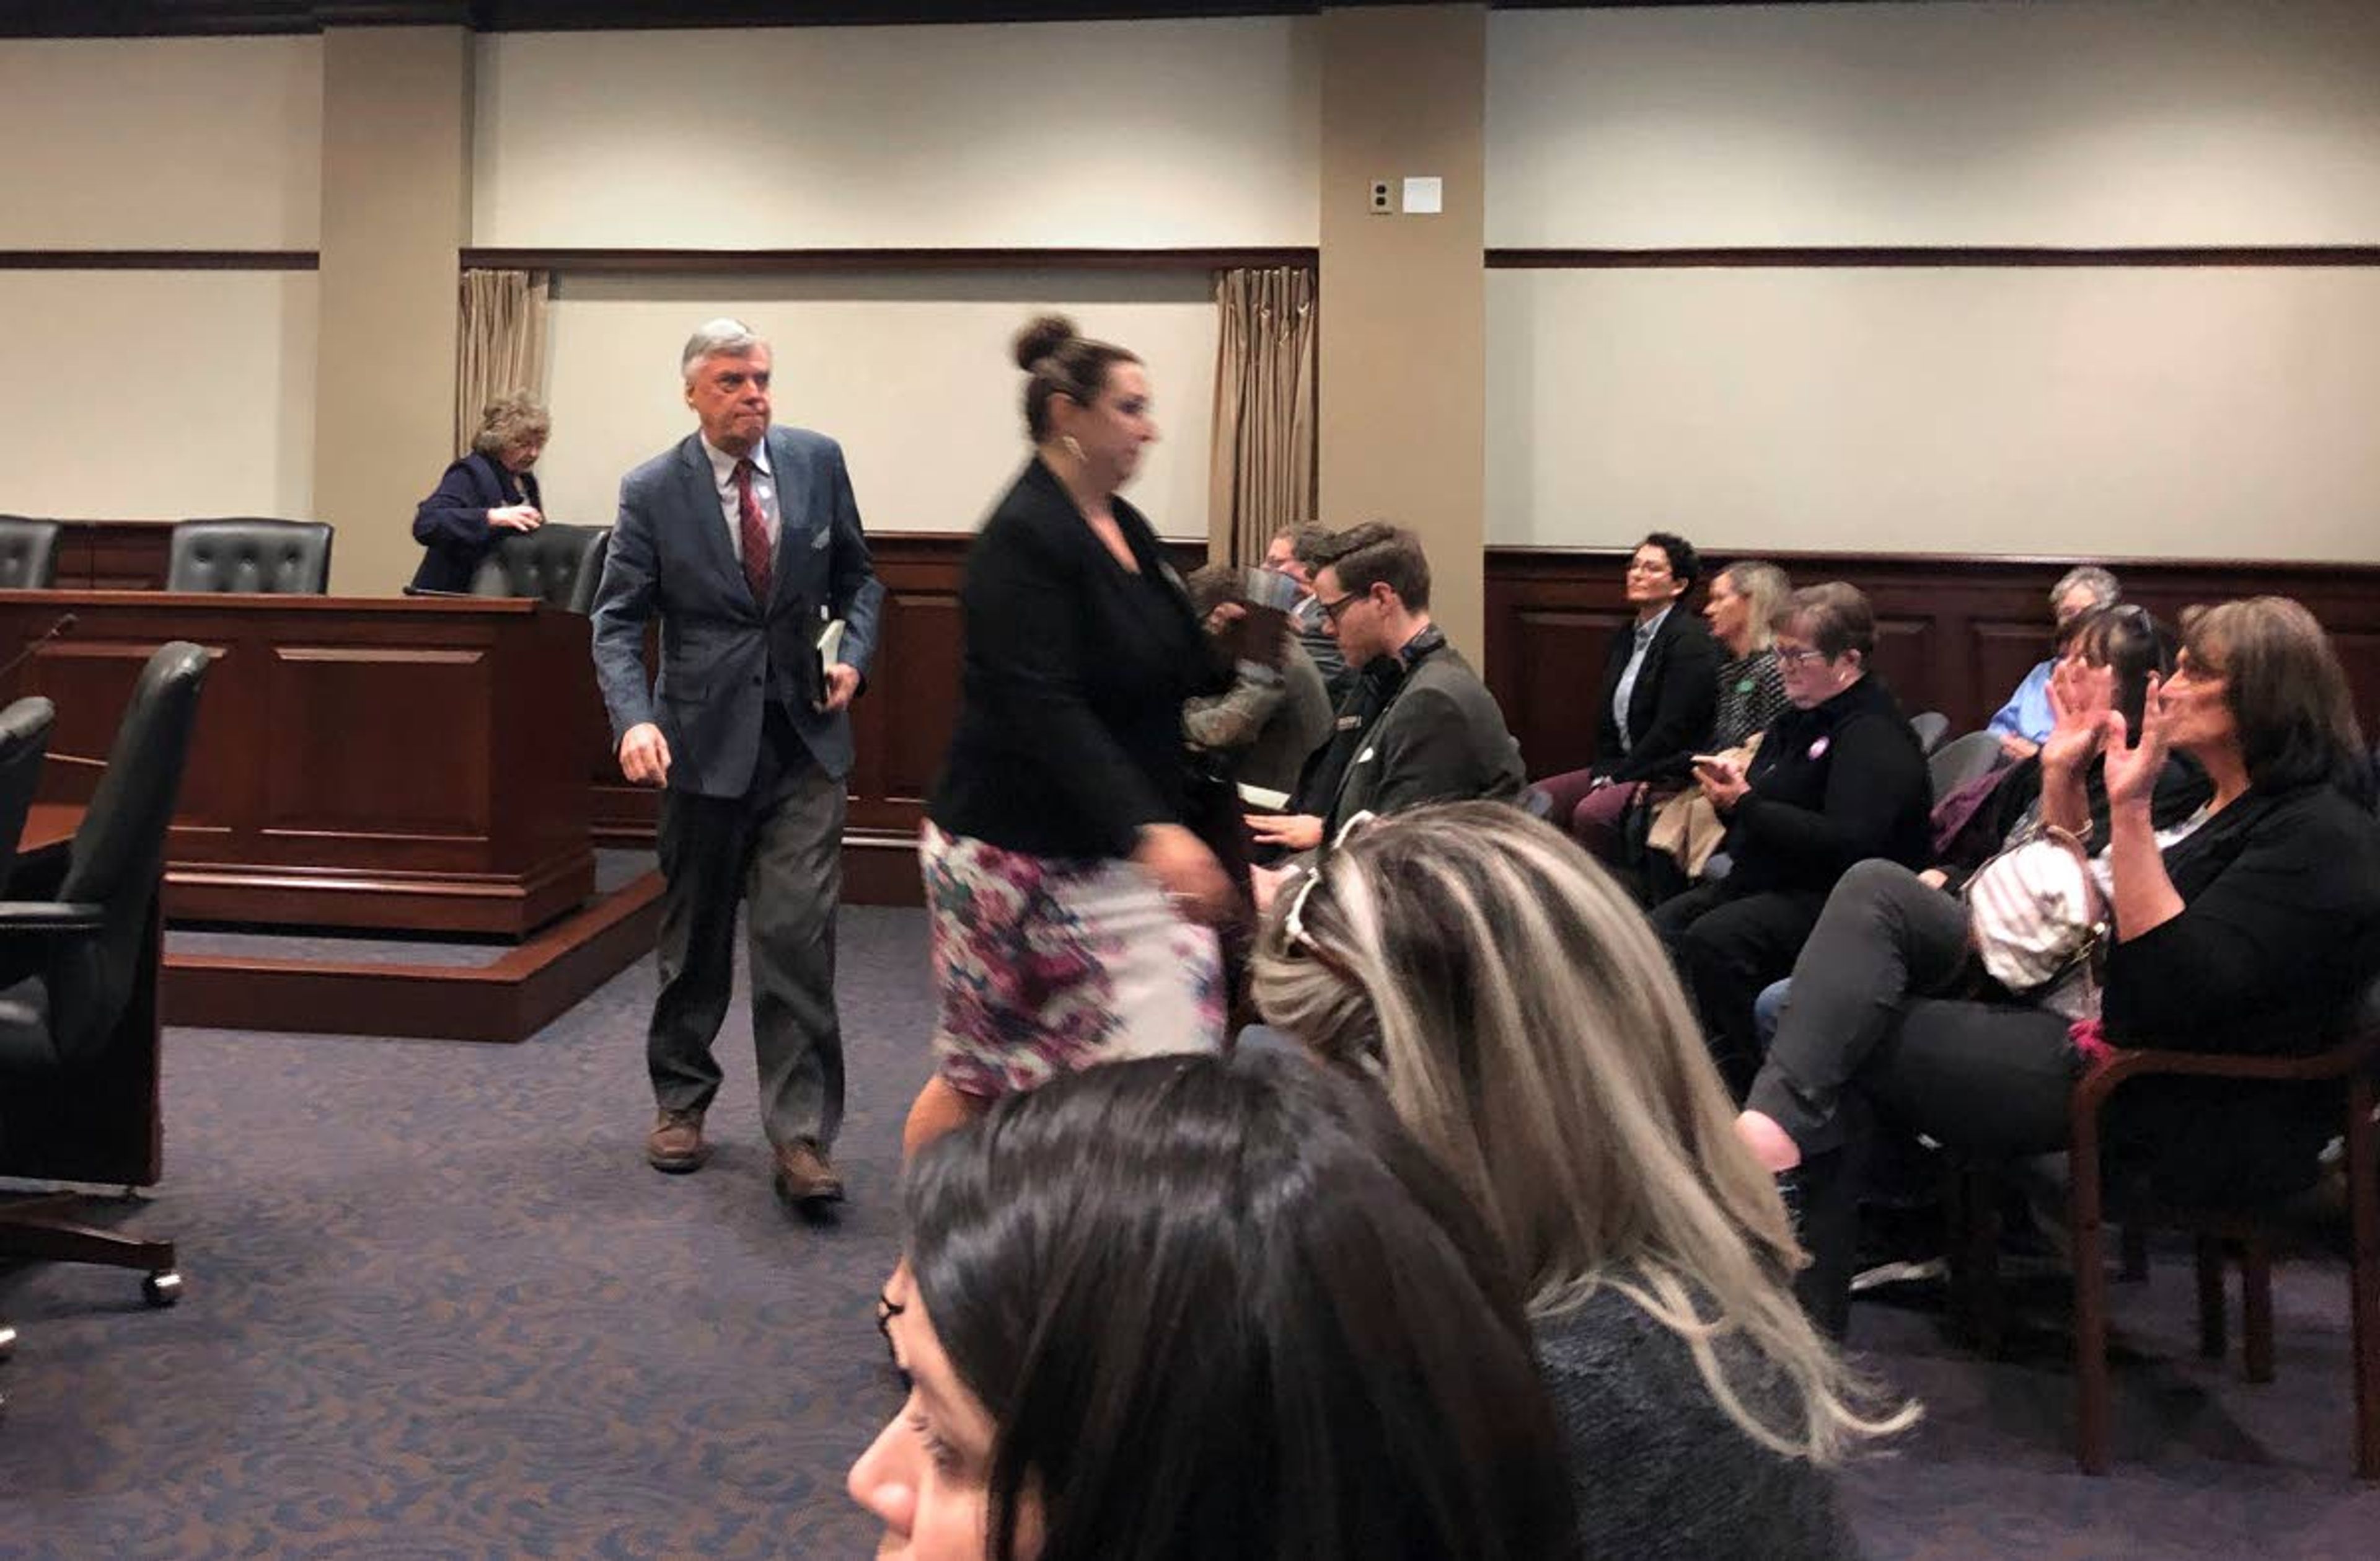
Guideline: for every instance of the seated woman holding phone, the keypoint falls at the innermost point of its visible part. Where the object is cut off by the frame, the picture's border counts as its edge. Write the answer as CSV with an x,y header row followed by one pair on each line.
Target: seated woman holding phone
x,y
1838,778
2251,926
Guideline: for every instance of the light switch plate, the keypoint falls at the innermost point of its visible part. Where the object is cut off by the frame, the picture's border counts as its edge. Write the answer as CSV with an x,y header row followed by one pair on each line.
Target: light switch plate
x,y
1425,196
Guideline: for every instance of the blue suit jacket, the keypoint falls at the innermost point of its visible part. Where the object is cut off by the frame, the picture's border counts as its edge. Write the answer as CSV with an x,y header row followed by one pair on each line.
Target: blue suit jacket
x,y
724,655
452,523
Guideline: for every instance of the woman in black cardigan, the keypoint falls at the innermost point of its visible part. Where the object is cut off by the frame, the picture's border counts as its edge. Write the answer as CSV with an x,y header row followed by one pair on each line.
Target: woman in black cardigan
x,y
483,497
1838,778
2253,929
1072,909
1654,708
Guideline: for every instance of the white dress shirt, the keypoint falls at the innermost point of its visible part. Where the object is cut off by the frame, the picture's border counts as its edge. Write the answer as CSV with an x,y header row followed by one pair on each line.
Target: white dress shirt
x,y
1621,695
764,488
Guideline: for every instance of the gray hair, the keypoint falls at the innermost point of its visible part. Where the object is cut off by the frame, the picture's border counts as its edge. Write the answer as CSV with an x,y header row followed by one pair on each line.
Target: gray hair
x,y
511,418
2089,577
721,337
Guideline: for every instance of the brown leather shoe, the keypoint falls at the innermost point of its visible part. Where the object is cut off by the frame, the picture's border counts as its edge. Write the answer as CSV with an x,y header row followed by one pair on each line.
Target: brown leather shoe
x,y
675,1143
804,1178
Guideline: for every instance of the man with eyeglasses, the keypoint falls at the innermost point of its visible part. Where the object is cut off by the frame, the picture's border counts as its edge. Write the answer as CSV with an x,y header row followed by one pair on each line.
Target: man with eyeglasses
x,y
1418,725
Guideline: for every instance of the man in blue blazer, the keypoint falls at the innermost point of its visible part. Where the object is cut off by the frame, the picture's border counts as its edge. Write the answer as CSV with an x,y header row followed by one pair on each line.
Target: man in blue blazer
x,y
744,540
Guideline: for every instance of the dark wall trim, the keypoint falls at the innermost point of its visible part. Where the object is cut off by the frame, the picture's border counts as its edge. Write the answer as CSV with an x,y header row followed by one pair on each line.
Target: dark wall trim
x,y
746,261
1820,258
121,18
160,259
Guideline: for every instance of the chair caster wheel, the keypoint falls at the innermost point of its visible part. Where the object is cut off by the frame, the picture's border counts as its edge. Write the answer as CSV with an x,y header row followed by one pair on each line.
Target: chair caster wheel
x,y
161,1289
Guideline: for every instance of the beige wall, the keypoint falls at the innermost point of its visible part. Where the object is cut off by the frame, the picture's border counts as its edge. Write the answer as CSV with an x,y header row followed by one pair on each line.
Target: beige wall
x,y
396,144
163,143
2194,412
2190,414
2084,122
910,372
1402,368
139,395
1150,134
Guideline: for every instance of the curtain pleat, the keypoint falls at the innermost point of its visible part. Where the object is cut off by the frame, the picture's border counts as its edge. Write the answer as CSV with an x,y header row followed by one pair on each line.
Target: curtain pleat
x,y
1263,477
501,326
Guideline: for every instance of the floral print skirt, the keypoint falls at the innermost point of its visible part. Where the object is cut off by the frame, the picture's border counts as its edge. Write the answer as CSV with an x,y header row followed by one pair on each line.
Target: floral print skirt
x,y
1046,965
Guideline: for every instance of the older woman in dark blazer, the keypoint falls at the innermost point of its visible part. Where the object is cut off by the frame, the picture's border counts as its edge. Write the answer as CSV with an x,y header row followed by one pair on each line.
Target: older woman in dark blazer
x,y
483,495
1655,704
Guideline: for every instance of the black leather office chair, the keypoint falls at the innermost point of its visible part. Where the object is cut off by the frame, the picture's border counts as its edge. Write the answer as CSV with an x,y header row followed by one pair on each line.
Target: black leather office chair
x,y
78,976
271,557
560,565
24,742
28,554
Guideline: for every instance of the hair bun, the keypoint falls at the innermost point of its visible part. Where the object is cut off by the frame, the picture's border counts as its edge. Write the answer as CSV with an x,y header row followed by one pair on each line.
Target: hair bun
x,y
1045,336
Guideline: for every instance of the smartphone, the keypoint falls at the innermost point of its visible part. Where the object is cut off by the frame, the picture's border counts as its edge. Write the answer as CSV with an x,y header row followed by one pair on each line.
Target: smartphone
x,y
2133,702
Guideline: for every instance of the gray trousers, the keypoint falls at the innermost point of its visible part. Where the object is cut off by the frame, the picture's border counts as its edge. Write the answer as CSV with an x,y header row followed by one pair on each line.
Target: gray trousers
x,y
779,852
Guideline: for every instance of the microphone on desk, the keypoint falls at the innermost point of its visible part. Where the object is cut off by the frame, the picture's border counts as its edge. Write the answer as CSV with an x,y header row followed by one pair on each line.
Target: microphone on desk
x,y
65,624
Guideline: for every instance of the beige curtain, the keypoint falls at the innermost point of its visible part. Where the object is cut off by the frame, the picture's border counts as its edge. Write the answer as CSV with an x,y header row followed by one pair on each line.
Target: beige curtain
x,y
1263,476
502,343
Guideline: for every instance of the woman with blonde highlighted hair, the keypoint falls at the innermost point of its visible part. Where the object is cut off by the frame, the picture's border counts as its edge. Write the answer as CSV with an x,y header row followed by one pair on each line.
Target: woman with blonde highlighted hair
x,y
1519,1015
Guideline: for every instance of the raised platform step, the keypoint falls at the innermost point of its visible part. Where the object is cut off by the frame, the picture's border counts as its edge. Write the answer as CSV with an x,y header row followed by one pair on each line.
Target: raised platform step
x,y
427,989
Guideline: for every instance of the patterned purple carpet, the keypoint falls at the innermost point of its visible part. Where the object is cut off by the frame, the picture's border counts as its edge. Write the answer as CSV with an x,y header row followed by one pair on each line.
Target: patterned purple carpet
x,y
437,1307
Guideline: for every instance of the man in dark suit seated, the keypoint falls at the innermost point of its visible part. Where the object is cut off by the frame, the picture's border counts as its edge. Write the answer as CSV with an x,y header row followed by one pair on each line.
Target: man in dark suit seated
x,y
744,539
1418,727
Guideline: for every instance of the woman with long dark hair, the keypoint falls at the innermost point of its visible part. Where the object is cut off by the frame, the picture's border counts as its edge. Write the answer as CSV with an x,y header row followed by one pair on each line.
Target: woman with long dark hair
x,y
1180,1308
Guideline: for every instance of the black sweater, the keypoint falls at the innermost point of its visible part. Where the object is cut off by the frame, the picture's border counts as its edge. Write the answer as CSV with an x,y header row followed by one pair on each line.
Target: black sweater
x,y
1830,786
2278,937
1073,676
1661,1474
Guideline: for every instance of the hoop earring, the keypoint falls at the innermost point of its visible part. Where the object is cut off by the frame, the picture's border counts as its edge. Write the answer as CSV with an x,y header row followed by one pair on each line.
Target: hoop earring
x,y
1073,446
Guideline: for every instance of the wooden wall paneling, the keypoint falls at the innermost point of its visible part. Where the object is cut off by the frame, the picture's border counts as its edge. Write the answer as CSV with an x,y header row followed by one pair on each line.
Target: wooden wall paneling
x,y
1954,634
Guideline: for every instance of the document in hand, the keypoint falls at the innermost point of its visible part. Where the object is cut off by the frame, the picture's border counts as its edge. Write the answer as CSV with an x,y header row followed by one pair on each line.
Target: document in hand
x,y
830,651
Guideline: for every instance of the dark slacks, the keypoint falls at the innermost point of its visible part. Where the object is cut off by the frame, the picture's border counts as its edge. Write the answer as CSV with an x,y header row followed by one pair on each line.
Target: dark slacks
x,y
1595,816
1992,1080
778,850
1727,947
1882,938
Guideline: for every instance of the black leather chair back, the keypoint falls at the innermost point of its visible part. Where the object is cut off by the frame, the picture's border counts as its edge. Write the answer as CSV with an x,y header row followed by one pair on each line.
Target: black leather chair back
x,y
560,565
28,554
270,557
119,852
24,743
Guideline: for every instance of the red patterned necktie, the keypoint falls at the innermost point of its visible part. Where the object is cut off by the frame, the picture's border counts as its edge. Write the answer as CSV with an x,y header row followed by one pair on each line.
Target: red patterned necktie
x,y
753,529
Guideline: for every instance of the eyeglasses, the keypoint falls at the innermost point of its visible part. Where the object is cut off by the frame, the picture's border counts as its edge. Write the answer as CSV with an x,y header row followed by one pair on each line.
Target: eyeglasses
x,y
1292,925
1332,609
1803,657
1648,567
